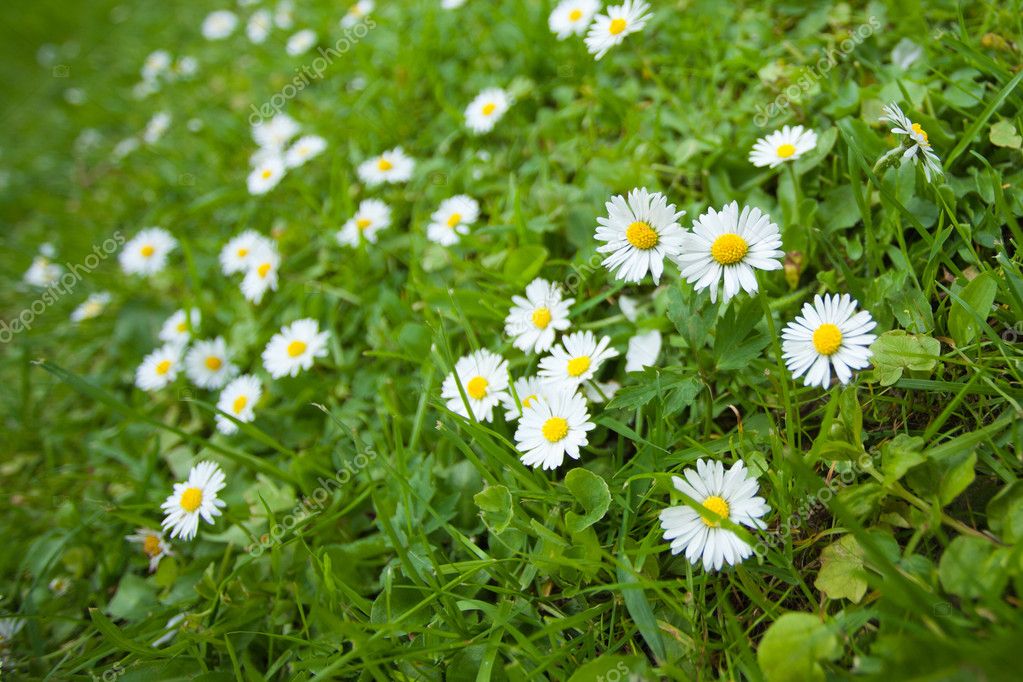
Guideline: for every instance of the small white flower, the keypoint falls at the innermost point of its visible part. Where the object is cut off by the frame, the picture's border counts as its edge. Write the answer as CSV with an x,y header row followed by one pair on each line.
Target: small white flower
x,y
301,42
373,215
610,29
534,320
729,494
156,63
727,245
265,176
392,166
571,17
527,389
207,364
146,253
159,368
629,307
152,545
185,67
124,147
195,498
452,219
828,333
219,25
305,148
175,329
576,360
486,110
42,273
236,256
238,399
274,134
643,351
484,378
917,145
600,391
261,273
156,127
284,14
93,306
60,585
259,26
787,144
451,4
639,232
294,348
551,428
357,12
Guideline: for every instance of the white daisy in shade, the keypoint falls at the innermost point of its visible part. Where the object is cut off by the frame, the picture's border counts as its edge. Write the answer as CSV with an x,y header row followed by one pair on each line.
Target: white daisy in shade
x,y
391,166
156,63
527,389
452,219
219,25
610,29
551,428
787,144
195,498
146,253
731,495
238,399
42,272
600,391
829,333
259,26
294,348
261,275
236,256
533,321
207,364
156,127
356,13
275,133
916,143
301,42
373,215
159,368
576,359
486,110
91,307
266,174
284,14
305,148
639,232
176,328
152,544
643,351
727,245
484,377
571,17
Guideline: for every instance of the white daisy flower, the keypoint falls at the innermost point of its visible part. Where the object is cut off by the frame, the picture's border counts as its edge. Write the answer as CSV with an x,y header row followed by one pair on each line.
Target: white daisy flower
x,y
451,4
284,14
640,231
610,29
124,147
261,274
175,329
643,351
305,148
196,497
236,256
60,585
484,377
576,360
452,219
528,389
146,253
571,17
373,215
219,25
533,321
301,42
600,391
391,166
486,110
91,307
266,174
9,627
155,64
156,127
828,333
238,399
357,13
787,144
728,245
159,368
729,494
152,544
294,348
917,145
552,428
185,67
170,629
259,26
629,307
207,364
42,273
275,133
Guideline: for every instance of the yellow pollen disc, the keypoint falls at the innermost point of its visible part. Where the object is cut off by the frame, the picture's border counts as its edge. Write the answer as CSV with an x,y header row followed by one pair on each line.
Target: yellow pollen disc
x,y
242,253
577,366
239,404
363,223
529,400
827,339
616,27
729,249
488,108
554,429
541,318
718,506
641,235
786,150
151,545
263,269
296,348
575,15
214,363
266,173
147,250
163,367
384,165
477,388
182,327
454,219
191,499
920,131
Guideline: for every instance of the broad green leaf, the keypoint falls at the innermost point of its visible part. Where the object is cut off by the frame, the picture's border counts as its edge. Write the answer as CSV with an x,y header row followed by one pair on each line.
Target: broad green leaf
x,y
495,503
523,263
971,568
842,575
897,351
899,455
794,646
592,494
979,296
134,598
1003,134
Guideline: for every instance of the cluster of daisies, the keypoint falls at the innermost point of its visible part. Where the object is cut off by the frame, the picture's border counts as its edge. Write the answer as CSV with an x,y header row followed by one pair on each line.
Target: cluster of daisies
x,y
603,31
277,154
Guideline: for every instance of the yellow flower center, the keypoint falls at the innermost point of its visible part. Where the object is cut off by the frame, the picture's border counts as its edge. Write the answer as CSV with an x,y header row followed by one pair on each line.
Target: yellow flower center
x,y
296,348
577,366
163,367
641,235
151,545
718,506
488,108
454,219
266,173
363,223
214,363
528,401
182,327
729,249
554,429
786,150
242,252
263,269
147,251
384,165
191,499
541,318
616,27
920,131
575,15
239,404
827,339
477,388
